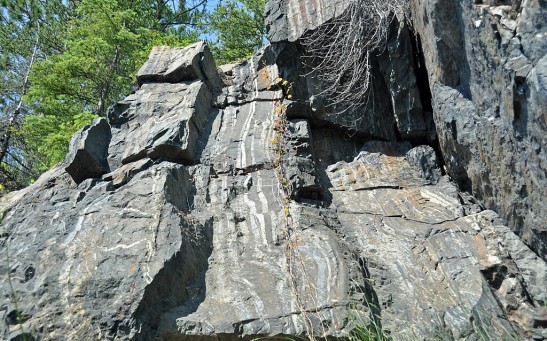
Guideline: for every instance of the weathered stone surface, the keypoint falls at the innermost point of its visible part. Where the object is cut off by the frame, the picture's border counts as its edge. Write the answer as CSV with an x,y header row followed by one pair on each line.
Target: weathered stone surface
x,y
88,152
253,79
374,232
125,173
397,66
396,96
289,19
423,254
375,169
173,65
95,262
299,164
221,239
257,293
308,101
485,68
239,137
160,120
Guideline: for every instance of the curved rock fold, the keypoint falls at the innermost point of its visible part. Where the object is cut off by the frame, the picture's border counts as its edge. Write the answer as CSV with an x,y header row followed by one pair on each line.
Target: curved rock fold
x,y
169,220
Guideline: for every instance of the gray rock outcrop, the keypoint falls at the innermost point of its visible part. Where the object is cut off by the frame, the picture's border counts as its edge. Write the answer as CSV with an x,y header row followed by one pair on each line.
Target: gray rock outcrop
x,y
87,157
221,209
478,68
287,20
486,68
161,120
173,65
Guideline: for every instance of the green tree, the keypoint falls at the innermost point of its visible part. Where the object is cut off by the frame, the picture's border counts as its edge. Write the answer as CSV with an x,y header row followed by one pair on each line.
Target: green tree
x,y
26,36
64,62
237,28
105,43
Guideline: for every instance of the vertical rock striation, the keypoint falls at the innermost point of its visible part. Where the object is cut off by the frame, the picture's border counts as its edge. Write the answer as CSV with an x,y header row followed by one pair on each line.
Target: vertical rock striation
x,y
215,207
486,64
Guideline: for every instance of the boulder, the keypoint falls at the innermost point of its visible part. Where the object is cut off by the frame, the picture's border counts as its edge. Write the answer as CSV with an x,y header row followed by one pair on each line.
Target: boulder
x,y
159,121
87,155
180,64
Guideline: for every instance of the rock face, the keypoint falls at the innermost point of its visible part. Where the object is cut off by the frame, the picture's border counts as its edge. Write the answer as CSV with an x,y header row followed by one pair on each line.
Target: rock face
x,y
173,65
289,19
205,210
89,151
139,131
486,67
479,70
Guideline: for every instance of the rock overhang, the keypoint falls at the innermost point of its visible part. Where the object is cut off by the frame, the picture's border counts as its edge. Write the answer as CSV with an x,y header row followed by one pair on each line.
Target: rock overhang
x,y
388,229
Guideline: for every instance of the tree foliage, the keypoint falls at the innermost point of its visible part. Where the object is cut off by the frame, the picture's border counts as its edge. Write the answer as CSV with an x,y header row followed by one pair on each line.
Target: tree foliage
x,y
237,28
26,36
64,62
104,44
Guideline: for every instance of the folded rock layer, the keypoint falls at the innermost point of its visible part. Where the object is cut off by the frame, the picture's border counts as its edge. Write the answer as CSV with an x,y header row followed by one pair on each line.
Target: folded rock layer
x,y
215,207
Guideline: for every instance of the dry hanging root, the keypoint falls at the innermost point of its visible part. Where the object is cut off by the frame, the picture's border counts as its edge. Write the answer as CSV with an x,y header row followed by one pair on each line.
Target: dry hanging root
x,y
339,52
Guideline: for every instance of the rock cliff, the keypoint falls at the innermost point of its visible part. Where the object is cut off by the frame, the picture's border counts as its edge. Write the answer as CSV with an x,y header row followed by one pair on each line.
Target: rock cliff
x,y
224,205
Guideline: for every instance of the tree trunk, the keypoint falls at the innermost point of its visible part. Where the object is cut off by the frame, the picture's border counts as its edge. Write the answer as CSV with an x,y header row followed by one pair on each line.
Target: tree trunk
x,y
101,106
16,113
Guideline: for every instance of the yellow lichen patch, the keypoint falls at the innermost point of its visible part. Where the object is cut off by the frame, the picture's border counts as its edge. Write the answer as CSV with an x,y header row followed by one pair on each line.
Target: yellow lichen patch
x,y
133,267
264,79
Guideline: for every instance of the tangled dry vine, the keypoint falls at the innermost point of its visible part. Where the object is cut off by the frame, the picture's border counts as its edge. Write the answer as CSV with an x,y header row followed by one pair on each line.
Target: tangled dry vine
x,y
339,53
